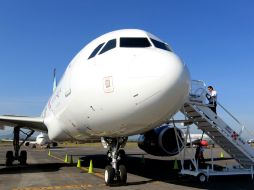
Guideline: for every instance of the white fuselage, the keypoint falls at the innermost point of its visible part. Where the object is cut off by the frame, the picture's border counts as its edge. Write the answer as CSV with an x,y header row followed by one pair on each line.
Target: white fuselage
x,y
121,92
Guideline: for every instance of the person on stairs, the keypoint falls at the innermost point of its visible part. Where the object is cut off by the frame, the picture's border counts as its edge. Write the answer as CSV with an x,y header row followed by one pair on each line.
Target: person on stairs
x,y
212,98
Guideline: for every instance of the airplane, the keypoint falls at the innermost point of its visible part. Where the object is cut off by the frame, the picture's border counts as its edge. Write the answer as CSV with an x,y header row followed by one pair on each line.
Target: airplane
x,y
123,83
198,138
42,140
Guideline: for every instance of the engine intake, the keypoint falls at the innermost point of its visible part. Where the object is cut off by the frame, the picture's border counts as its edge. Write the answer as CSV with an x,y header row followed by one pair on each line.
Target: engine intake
x,y
161,141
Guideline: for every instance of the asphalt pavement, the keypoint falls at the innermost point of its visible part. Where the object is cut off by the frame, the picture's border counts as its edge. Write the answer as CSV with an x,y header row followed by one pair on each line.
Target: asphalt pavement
x,y
48,170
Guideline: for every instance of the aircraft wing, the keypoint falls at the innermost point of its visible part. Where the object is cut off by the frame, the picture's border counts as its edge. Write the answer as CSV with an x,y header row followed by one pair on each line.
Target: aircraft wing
x,y
35,123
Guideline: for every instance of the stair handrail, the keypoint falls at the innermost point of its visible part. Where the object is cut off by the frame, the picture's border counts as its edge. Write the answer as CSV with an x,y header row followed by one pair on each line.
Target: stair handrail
x,y
203,87
240,124
230,114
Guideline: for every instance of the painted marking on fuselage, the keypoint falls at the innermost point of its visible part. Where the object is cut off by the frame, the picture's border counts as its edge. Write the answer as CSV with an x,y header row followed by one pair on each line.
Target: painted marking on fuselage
x,y
108,84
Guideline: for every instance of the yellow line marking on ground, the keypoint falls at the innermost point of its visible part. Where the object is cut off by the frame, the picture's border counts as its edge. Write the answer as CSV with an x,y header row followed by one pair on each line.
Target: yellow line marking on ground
x,y
39,150
82,168
95,173
56,158
85,186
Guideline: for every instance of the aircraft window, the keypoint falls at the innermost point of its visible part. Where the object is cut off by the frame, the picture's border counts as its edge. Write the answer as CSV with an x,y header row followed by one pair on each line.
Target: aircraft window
x,y
160,45
110,45
134,42
95,51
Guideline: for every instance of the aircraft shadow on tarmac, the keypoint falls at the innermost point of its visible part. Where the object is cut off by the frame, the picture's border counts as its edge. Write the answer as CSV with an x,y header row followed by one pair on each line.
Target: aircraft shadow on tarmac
x,y
152,169
32,168
162,170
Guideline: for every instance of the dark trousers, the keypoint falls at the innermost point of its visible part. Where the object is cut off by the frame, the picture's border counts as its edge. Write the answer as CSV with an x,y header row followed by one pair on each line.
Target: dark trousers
x,y
213,108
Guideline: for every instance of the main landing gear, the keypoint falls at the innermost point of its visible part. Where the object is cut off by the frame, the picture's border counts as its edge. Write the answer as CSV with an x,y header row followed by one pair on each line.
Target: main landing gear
x,y
116,172
22,157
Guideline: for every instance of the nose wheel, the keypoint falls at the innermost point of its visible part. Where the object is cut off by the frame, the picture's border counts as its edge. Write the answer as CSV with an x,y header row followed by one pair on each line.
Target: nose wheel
x,y
115,173
109,175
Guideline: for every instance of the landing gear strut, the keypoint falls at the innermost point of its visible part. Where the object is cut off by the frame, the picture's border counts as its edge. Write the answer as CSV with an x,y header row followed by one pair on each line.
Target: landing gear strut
x,y
22,157
115,173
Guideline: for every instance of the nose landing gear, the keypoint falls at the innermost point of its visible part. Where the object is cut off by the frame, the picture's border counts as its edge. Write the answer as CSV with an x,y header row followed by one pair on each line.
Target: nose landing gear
x,y
116,172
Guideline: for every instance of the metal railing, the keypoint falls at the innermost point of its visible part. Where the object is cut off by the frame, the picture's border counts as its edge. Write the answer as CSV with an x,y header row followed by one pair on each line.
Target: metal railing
x,y
198,91
198,95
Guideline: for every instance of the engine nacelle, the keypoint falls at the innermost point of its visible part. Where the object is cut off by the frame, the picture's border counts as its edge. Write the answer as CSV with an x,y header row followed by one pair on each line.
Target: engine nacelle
x,y
161,141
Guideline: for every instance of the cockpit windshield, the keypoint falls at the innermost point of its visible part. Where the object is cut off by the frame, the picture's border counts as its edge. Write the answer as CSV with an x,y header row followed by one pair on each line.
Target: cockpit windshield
x,y
134,42
111,44
95,51
128,42
160,45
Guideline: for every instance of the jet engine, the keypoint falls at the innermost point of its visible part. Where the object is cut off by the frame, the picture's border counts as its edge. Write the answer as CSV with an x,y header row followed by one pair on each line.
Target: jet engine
x,y
161,141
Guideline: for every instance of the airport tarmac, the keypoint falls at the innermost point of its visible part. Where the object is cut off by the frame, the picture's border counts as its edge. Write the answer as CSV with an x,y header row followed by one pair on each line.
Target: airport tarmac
x,y
45,172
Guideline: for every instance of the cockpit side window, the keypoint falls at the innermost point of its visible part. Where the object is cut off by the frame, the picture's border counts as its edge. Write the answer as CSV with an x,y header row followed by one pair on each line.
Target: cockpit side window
x,y
129,42
95,51
111,44
160,45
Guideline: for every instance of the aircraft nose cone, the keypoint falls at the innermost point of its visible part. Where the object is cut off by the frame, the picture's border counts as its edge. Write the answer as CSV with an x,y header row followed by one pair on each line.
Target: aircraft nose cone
x,y
160,72
173,81
160,86
174,74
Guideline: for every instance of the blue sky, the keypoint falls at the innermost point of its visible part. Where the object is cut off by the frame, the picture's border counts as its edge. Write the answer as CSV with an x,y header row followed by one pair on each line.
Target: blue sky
x,y
214,38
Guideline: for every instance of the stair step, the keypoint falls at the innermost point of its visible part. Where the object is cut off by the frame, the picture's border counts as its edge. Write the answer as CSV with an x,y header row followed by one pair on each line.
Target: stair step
x,y
248,162
193,114
204,124
211,126
214,133
188,109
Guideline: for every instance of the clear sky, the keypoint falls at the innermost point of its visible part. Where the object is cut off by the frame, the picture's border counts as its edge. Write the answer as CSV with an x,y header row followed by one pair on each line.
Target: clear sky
x,y
214,38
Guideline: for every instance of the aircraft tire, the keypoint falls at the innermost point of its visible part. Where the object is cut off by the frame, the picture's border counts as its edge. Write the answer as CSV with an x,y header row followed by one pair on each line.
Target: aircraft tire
x,y
23,157
109,175
122,174
121,153
9,158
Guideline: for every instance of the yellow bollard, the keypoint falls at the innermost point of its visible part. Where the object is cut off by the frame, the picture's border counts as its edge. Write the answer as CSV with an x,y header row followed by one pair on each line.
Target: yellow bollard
x,y
221,155
79,164
49,154
66,159
90,170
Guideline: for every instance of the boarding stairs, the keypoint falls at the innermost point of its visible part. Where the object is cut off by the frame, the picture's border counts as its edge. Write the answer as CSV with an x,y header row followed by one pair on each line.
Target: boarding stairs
x,y
232,137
